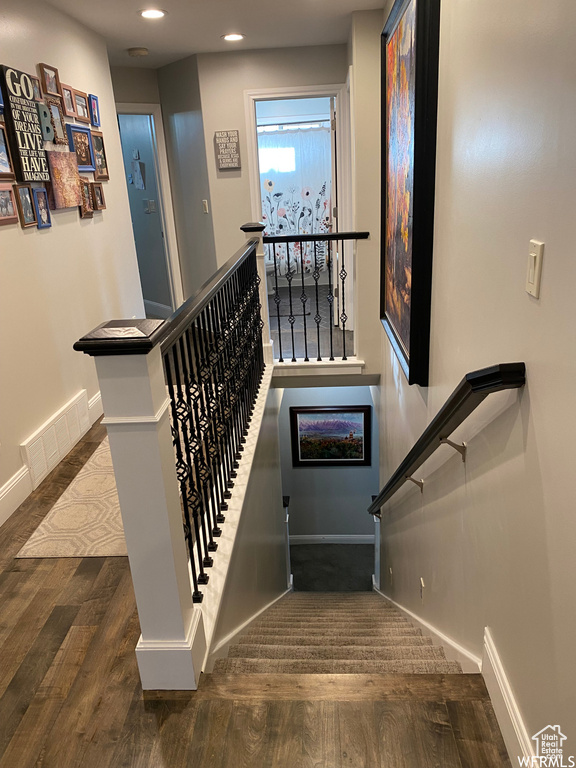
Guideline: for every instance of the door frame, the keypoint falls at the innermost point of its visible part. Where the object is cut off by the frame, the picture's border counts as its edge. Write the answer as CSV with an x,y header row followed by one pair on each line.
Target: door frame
x,y
166,207
343,158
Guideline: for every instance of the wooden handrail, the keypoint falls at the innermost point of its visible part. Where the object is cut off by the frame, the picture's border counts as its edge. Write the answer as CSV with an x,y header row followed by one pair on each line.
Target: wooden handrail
x,y
467,396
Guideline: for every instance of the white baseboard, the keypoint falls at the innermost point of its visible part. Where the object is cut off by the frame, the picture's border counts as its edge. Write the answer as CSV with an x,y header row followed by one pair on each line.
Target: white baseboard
x,y
160,310
71,422
516,737
14,492
95,409
221,648
328,539
454,651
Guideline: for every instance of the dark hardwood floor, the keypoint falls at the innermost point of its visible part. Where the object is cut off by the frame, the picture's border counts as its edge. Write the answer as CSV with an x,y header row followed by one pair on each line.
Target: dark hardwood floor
x,y
70,693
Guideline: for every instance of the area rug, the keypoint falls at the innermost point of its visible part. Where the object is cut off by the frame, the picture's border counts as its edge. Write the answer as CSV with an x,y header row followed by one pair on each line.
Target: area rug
x,y
85,521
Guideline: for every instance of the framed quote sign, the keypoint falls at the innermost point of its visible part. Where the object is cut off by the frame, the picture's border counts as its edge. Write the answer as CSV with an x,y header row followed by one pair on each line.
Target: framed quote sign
x,y
227,148
23,126
410,42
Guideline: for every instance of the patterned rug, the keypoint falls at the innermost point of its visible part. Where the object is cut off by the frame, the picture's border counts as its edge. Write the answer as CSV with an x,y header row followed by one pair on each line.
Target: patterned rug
x,y
85,521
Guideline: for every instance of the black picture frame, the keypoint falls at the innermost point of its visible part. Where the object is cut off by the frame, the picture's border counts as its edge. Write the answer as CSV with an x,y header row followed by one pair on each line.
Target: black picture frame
x,y
408,180
325,436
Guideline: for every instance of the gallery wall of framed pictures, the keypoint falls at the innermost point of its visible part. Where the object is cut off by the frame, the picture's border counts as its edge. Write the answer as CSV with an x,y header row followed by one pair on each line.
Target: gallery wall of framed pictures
x,y
46,141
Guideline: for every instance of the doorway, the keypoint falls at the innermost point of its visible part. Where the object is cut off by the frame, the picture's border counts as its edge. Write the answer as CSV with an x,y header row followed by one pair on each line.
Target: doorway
x,y
146,173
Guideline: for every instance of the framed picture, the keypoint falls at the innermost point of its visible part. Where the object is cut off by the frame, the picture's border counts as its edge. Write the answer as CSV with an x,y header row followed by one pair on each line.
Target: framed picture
x,y
68,100
98,201
57,118
6,165
86,206
410,44
64,189
101,172
81,106
331,436
80,142
36,88
94,110
50,80
25,205
41,207
8,213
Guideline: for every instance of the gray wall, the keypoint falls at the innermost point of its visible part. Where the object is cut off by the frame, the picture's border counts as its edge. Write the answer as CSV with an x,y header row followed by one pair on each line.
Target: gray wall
x,y
184,130
134,85
328,500
494,538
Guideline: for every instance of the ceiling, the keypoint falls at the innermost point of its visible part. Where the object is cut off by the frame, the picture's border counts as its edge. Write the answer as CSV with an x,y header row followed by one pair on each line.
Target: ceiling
x,y
195,26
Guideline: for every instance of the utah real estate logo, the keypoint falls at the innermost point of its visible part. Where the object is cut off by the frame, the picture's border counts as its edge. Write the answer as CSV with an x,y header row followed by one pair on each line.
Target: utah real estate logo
x,y
549,750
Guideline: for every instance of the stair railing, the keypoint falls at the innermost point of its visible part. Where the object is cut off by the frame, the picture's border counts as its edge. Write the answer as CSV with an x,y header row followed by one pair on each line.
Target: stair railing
x,y
467,396
178,396
307,276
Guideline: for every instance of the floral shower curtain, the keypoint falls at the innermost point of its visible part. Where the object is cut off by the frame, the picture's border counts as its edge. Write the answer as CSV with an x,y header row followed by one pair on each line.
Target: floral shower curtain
x,y
295,179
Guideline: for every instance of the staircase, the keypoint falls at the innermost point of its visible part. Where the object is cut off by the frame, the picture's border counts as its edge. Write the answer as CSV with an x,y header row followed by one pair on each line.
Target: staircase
x,y
334,633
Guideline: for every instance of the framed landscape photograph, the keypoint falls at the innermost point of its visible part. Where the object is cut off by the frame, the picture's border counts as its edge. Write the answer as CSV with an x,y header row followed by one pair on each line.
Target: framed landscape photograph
x,y
81,106
25,205
68,100
98,200
80,142
94,110
410,47
331,436
8,213
41,207
57,118
86,206
50,80
6,166
101,172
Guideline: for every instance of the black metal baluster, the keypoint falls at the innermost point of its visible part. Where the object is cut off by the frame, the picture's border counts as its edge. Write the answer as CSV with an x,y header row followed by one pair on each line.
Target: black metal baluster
x,y
317,316
304,299
343,315
291,318
183,472
330,299
192,435
277,301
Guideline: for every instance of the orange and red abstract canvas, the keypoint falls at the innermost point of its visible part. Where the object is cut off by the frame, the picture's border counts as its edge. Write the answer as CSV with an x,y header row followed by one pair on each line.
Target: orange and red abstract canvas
x,y
410,43
400,75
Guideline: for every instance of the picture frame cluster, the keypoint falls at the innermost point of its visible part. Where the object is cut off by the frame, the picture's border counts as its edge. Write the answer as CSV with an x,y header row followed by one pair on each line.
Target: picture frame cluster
x,y
49,135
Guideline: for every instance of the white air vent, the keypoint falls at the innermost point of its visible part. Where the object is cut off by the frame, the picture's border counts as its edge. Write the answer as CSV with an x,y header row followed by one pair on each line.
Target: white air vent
x,y
43,450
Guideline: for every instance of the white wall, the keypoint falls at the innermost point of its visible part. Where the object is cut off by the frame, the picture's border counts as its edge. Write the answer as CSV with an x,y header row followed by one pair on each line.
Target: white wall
x,y
494,539
257,571
223,79
328,500
184,130
57,284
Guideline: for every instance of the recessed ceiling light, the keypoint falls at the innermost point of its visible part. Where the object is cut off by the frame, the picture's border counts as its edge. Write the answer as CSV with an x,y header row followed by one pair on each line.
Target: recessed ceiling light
x,y
152,13
233,37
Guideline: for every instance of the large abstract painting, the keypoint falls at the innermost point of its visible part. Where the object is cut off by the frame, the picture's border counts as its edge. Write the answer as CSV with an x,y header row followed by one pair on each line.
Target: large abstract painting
x,y
409,98
331,436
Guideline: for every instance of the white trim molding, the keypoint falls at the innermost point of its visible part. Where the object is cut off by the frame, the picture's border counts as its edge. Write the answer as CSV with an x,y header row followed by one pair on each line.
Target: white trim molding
x,y
454,651
333,539
508,714
14,492
95,408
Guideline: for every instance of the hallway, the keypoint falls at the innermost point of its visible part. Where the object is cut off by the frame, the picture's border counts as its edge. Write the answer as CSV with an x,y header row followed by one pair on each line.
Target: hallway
x,y
70,694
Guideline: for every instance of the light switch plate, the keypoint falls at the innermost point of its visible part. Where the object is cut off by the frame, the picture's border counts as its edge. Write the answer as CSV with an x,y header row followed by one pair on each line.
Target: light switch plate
x,y
534,268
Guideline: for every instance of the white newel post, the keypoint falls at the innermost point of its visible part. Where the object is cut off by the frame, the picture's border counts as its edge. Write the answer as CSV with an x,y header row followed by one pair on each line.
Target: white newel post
x,y
172,645
254,231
